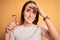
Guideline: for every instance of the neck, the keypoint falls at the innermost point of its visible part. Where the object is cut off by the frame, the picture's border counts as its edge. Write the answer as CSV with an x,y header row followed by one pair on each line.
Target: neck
x,y
26,24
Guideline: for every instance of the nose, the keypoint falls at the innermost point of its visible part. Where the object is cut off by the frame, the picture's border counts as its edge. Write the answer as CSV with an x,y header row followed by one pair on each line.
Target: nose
x,y
31,14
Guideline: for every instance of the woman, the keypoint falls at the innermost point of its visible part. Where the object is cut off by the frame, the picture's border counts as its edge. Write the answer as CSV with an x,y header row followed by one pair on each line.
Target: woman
x,y
29,30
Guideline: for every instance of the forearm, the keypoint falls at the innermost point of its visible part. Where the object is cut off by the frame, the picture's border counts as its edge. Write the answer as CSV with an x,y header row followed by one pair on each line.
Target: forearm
x,y
52,30
7,36
8,31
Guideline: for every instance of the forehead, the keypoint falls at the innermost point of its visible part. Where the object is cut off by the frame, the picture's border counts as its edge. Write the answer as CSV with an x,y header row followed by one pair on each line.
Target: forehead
x,y
29,5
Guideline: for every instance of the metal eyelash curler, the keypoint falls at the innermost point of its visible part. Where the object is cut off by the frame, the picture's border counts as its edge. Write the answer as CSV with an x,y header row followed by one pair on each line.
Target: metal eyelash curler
x,y
14,19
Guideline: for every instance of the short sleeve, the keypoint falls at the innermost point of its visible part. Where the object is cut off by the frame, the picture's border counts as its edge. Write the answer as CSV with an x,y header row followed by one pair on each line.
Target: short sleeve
x,y
43,29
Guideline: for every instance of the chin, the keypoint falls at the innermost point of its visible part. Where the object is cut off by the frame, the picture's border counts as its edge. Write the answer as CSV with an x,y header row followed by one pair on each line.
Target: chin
x,y
30,22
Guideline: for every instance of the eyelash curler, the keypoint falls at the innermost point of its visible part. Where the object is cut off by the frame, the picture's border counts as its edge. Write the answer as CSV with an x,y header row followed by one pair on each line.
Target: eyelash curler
x,y
14,19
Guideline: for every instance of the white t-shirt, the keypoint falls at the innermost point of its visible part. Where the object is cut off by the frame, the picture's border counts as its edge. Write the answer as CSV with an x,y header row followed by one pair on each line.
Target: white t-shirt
x,y
27,33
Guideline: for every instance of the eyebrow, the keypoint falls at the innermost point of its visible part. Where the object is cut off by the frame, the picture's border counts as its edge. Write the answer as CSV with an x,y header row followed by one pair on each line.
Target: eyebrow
x,y
34,9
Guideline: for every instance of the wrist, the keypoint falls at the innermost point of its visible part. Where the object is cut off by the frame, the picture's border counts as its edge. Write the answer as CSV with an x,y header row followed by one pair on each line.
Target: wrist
x,y
46,17
7,33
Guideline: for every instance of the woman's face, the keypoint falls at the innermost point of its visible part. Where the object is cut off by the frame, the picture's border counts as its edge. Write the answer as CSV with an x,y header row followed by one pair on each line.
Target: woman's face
x,y
29,13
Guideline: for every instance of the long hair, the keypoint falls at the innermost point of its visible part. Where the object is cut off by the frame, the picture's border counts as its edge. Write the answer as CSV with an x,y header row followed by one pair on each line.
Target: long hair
x,y
22,13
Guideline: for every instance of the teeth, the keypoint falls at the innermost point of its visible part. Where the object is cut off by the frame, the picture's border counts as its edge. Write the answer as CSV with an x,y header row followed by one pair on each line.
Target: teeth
x,y
30,19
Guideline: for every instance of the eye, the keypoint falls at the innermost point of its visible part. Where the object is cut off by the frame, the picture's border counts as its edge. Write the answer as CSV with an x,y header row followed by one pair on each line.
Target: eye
x,y
28,10
34,11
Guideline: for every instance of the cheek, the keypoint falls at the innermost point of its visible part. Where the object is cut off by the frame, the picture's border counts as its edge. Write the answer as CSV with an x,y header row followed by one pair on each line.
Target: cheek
x,y
34,15
26,15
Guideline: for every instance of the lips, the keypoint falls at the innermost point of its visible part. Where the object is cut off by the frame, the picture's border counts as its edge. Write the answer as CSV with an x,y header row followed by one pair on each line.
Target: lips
x,y
30,19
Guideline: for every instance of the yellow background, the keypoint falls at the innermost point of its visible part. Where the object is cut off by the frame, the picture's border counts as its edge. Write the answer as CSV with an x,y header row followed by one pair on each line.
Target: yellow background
x,y
10,7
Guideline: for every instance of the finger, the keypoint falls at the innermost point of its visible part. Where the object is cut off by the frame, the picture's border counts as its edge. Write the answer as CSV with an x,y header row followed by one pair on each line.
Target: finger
x,y
8,31
35,6
9,28
17,23
12,27
13,24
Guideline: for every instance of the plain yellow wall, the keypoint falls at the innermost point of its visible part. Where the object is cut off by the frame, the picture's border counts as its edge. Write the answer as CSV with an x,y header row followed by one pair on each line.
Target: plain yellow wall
x,y
10,7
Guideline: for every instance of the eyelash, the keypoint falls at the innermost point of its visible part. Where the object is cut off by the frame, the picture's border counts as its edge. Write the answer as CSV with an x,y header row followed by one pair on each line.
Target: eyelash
x,y
28,10
33,11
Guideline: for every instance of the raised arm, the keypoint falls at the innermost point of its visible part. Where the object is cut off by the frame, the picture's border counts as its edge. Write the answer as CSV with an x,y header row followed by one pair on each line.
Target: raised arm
x,y
52,32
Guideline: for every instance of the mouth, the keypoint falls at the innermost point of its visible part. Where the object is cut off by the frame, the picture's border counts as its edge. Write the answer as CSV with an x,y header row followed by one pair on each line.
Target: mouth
x,y
30,19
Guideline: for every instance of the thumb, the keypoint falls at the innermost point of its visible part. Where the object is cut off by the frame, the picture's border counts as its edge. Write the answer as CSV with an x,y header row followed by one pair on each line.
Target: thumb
x,y
17,23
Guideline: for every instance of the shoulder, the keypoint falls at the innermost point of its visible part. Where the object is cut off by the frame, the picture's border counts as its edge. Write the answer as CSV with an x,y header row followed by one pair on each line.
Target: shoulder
x,y
42,27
